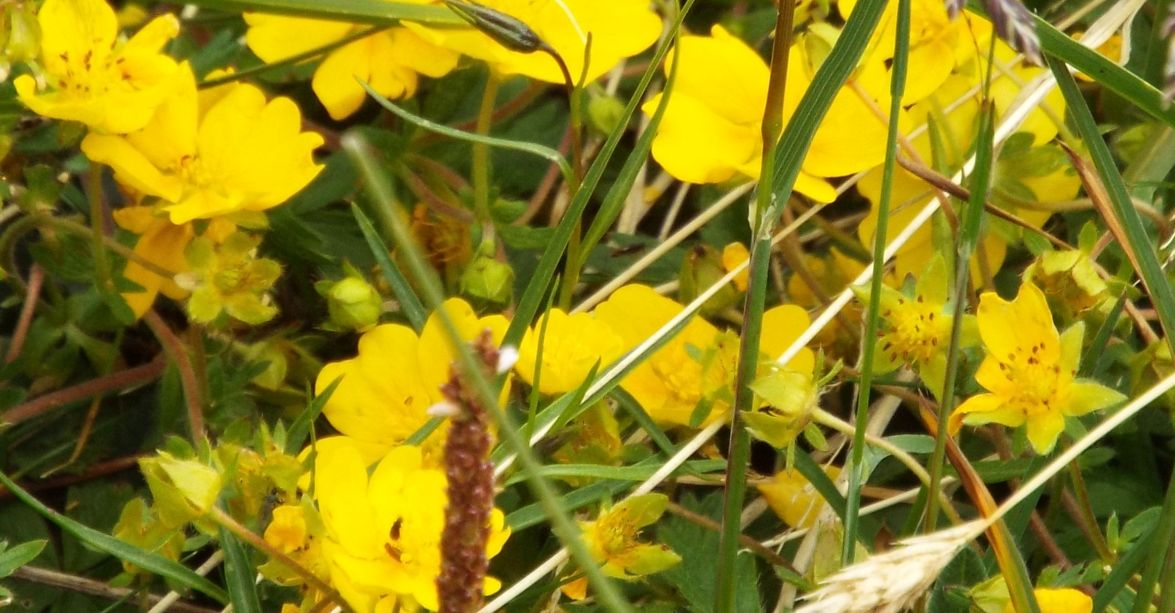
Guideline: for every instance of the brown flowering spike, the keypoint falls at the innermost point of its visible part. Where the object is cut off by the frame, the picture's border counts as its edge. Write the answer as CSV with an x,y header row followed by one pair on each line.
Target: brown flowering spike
x,y
470,491
1013,23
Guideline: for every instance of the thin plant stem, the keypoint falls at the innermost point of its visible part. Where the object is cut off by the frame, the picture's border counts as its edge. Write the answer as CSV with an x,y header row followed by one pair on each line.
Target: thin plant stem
x,y
226,521
122,379
755,301
178,354
27,310
873,313
967,240
481,152
98,227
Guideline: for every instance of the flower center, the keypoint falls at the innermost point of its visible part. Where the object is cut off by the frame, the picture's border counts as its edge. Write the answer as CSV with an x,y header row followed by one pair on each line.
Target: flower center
x,y
1036,383
912,333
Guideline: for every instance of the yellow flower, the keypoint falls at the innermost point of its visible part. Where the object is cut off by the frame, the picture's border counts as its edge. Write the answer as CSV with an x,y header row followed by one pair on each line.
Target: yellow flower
x,y
1030,371
386,390
692,372
1059,600
227,152
618,29
692,368
383,532
793,498
935,47
572,346
92,77
711,130
917,329
955,136
228,277
390,61
614,538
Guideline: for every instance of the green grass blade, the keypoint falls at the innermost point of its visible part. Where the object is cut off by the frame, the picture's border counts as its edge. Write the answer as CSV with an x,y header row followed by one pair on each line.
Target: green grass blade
x,y
614,200
299,430
481,139
239,573
1149,268
856,467
1141,243
358,11
1108,74
409,302
105,543
826,83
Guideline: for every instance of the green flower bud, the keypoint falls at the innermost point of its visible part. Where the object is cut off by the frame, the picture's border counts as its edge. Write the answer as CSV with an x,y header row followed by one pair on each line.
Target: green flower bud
x,y
352,302
488,279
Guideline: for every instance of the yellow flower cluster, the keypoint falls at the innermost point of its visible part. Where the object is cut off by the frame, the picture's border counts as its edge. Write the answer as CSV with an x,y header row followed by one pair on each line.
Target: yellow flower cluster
x,y
391,61
225,154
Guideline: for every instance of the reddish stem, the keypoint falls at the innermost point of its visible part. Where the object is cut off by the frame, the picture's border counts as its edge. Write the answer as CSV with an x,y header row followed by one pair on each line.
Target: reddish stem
x,y
112,382
36,279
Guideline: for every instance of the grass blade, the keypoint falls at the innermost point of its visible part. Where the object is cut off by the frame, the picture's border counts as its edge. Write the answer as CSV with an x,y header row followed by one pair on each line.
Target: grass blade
x,y
409,303
238,575
108,544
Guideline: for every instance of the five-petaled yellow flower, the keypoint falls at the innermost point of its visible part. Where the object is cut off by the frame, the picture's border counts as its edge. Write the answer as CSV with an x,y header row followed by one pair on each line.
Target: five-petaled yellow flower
x,y
1030,371
614,538
383,531
390,61
385,391
90,76
226,151
572,345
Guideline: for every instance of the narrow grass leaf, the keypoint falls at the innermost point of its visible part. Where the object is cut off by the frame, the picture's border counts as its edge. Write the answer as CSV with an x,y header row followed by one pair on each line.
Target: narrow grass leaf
x,y
239,575
409,302
103,542
299,430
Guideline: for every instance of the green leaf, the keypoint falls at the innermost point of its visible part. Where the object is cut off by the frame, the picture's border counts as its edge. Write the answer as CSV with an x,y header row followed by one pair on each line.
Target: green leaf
x,y
16,557
409,303
163,567
239,573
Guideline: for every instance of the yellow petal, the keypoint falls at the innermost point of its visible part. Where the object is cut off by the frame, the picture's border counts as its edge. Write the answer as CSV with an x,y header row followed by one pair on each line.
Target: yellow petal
x,y
697,145
1087,396
985,409
75,29
1063,600
1010,327
131,167
277,37
782,325
1043,430
619,29
340,482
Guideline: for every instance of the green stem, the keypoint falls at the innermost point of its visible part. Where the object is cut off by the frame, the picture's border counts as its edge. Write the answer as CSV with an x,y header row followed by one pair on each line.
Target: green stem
x,y
561,523
967,240
748,356
873,317
97,228
575,244
481,152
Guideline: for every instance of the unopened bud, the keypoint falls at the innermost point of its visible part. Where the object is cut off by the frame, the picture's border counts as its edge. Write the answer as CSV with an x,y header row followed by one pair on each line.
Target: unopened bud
x,y
352,302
